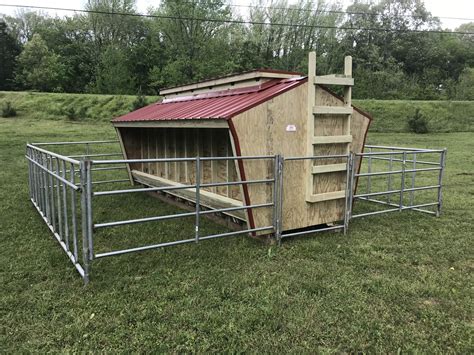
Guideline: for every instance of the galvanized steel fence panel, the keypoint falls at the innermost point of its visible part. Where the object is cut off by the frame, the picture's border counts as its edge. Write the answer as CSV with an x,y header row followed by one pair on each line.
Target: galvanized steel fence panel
x,y
62,190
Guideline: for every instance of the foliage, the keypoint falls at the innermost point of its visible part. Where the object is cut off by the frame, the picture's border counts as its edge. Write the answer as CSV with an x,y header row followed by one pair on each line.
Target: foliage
x,y
9,49
417,123
113,73
441,116
55,106
465,88
8,110
39,68
139,102
117,54
389,115
403,281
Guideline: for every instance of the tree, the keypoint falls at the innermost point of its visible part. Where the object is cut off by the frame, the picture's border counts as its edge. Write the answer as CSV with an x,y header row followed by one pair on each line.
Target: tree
x,y
465,87
113,73
39,68
9,49
195,49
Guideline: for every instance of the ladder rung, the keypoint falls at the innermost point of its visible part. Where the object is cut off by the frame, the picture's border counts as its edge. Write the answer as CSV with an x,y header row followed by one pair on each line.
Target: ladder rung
x,y
334,80
332,139
335,195
332,110
329,168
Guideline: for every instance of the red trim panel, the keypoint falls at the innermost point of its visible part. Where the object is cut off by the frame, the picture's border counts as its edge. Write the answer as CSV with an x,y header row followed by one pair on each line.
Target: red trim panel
x,y
242,173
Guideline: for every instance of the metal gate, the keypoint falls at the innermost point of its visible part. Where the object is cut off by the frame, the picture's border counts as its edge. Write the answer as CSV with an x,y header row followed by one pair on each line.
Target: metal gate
x,y
64,188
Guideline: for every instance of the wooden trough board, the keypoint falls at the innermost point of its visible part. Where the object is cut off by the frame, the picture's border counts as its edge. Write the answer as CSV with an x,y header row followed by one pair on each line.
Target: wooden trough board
x,y
207,199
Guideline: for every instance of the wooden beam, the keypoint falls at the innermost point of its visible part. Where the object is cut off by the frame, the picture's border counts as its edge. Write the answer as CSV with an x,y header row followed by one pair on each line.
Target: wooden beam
x,y
195,123
214,176
334,195
334,80
332,139
124,152
227,81
186,163
311,101
329,168
348,91
207,199
332,110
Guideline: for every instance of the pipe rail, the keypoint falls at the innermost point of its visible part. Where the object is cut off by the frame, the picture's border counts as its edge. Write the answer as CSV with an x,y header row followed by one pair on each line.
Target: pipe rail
x,y
62,189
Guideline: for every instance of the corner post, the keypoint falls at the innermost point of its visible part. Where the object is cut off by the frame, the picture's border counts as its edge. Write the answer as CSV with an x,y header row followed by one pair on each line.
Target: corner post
x,y
442,164
86,223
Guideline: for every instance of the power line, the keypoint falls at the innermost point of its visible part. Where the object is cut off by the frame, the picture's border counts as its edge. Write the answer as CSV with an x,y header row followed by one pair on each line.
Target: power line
x,y
341,12
233,21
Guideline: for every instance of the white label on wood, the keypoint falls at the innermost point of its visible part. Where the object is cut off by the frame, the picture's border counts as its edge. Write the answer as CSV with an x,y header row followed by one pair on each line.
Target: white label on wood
x,y
291,128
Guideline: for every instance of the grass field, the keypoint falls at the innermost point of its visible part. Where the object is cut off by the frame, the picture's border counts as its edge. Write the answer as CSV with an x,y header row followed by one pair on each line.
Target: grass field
x,y
390,115
396,282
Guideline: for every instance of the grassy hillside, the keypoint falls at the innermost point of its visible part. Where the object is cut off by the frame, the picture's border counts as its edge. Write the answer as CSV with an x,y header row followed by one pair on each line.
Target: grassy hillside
x,y
389,115
80,107
442,116
397,283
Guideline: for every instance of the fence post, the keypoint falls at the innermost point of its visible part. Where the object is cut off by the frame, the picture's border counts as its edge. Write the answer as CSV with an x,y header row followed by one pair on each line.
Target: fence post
x,y
198,198
278,197
402,187
442,164
369,170
413,176
85,172
390,167
349,167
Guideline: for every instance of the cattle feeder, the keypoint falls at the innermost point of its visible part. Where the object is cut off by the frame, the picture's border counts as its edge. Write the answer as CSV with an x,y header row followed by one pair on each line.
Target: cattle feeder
x,y
257,113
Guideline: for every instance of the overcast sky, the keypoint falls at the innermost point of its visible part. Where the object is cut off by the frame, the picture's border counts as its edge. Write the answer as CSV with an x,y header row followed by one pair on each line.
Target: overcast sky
x,y
441,8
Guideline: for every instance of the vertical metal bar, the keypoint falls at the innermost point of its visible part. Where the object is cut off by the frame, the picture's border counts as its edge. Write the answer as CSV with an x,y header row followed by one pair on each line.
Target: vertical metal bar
x,y
30,188
85,229
281,167
45,176
442,163
88,164
402,187
73,213
390,167
353,177
369,170
58,197
198,187
66,222
33,170
47,191
32,180
348,189
41,183
413,176
275,196
51,192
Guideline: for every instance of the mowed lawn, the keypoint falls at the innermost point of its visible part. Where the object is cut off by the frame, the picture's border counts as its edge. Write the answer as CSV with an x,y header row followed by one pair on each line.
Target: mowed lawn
x,y
396,282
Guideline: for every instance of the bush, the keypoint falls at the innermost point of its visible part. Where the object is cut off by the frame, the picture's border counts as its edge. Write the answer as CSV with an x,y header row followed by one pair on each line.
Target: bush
x,y
8,110
418,123
71,113
139,102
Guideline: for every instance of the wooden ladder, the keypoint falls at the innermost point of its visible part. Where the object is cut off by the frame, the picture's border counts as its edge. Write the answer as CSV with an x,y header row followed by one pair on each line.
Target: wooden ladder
x,y
345,112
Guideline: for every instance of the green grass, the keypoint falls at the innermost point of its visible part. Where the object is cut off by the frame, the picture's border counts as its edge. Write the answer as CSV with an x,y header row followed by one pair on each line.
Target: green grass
x,y
389,115
442,116
396,282
87,107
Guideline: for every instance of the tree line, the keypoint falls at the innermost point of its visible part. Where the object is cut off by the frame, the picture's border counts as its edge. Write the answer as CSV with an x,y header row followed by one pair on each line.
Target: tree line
x,y
100,52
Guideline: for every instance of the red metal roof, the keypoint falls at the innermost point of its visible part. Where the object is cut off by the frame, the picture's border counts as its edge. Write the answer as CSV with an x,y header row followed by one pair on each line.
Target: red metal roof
x,y
214,105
